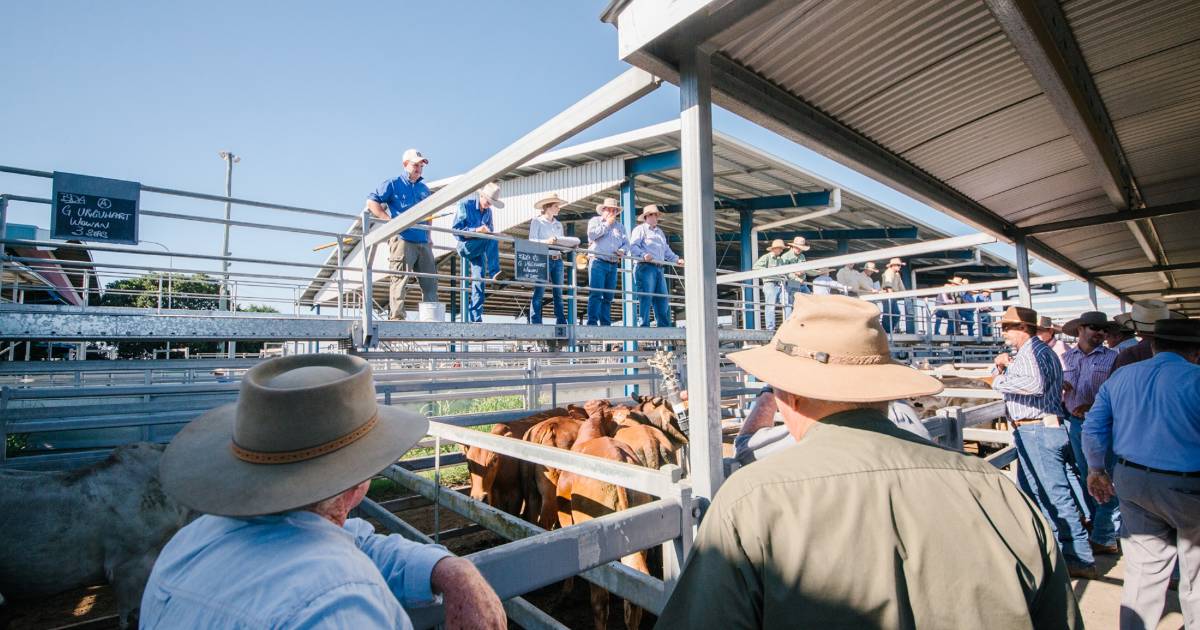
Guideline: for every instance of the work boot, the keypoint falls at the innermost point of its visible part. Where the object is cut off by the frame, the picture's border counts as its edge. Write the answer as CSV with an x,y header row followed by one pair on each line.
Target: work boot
x,y
1085,571
1105,550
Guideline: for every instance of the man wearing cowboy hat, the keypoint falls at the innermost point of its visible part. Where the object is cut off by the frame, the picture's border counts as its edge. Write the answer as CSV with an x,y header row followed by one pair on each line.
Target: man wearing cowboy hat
x,y
861,520
1120,333
1148,414
481,255
824,284
795,282
1032,387
950,316
546,228
1142,316
891,282
606,242
1085,368
648,244
771,286
410,250
1047,331
275,475
857,282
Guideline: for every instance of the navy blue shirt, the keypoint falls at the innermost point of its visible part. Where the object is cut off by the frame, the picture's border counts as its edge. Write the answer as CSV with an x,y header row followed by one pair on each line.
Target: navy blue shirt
x,y
400,194
469,217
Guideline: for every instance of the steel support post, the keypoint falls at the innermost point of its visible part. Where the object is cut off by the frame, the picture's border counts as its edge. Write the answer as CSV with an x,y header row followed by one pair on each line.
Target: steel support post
x,y
749,312
629,311
700,272
1026,294
1092,299
910,306
368,313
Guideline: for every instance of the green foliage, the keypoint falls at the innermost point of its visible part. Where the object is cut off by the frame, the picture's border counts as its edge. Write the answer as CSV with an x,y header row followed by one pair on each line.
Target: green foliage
x,y
15,442
256,308
478,405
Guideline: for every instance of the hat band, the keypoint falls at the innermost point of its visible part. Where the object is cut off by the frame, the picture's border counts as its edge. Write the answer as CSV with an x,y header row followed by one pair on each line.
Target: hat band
x,y
304,454
825,357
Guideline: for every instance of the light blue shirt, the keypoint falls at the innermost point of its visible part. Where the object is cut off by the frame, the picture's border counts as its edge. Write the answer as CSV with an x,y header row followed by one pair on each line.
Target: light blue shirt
x,y
400,194
1033,383
1149,413
650,240
292,570
604,240
542,229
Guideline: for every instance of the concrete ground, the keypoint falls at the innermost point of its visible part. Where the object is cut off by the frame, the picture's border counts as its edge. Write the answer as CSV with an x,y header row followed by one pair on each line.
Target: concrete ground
x,y
1100,600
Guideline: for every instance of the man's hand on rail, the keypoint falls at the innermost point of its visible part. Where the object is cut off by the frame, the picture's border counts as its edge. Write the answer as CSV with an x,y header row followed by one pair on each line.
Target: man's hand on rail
x,y
468,599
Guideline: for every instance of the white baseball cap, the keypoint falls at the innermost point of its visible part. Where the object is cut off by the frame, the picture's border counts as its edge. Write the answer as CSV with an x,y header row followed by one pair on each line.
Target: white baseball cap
x,y
413,155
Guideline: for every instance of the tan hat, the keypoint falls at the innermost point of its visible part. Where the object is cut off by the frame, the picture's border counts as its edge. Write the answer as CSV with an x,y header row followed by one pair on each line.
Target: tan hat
x,y
834,348
1145,312
1019,315
305,428
777,244
649,210
895,261
413,155
870,267
552,199
492,192
800,243
1045,323
608,202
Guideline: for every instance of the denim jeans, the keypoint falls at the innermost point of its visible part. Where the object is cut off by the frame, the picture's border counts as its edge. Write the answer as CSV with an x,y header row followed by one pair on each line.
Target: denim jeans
x,y
772,294
601,275
891,315
944,316
1106,517
968,318
793,288
535,306
1042,469
649,278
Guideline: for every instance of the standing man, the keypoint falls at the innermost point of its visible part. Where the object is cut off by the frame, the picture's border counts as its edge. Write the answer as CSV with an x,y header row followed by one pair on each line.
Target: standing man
x,y
1032,387
891,282
771,287
410,250
1048,333
546,228
1086,367
482,255
950,316
1148,413
848,277
648,244
985,313
1120,333
824,284
776,546
606,241
1143,315
968,314
795,283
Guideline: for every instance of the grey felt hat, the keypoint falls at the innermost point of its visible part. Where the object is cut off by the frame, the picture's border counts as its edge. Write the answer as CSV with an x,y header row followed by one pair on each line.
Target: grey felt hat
x,y
304,428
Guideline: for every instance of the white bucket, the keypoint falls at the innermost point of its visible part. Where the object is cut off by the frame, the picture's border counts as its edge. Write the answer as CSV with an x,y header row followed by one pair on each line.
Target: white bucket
x,y
431,312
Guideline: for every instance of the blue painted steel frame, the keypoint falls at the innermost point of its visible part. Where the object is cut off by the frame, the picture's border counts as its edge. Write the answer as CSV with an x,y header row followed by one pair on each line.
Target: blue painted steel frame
x,y
831,235
652,163
744,235
628,219
774,202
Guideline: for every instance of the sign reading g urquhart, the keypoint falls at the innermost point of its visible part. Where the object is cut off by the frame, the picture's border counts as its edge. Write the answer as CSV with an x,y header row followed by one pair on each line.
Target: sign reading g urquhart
x,y
89,208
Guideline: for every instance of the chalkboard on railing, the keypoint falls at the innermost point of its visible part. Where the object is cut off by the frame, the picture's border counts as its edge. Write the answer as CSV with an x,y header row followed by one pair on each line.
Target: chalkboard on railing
x,y
533,261
94,209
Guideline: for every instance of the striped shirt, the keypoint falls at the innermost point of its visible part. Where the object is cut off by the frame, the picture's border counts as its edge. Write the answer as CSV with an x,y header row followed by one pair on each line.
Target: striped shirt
x,y
1086,373
1032,385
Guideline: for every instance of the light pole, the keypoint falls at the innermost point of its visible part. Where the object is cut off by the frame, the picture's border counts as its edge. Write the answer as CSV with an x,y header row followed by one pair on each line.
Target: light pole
x,y
170,276
230,160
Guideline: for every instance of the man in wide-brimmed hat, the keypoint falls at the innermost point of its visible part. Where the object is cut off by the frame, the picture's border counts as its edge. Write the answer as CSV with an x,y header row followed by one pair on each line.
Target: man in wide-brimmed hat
x,y
773,548
1085,367
410,250
1048,332
649,247
481,254
772,287
546,228
275,475
1032,385
891,282
1148,414
947,299
1142,317
797,281
607,240
1120,333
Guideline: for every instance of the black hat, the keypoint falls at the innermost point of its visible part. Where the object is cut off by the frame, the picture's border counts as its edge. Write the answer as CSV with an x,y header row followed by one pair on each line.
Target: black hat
x,y
1186,330
1092,319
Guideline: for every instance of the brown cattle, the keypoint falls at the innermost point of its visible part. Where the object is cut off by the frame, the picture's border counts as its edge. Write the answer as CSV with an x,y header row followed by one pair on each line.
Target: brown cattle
x,y
660,414
496,478
539,483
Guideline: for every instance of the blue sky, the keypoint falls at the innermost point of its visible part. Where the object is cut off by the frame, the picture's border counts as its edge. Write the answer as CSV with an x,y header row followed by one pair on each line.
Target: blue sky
x,y
318,98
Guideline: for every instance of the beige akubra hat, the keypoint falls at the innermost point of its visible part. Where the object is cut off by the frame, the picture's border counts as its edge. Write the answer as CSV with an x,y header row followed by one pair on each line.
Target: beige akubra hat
x,y
552,199
304,428
492,192
833,348
649,210
777,244
1145,313
609,202
800,243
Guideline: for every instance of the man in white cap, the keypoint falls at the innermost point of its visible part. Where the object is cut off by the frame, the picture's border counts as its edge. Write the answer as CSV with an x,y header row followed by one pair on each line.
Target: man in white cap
x,y
1142,316
607,240
891,282
410,250
771,286
481,255
648,245
858,523
275,476
797,280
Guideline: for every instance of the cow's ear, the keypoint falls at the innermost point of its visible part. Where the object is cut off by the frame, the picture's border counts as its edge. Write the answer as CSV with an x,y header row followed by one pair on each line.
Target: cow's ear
x,y
658,400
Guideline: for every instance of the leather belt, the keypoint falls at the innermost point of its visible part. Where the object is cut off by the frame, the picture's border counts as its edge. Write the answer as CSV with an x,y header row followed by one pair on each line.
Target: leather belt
x,y
1028,421
1173,473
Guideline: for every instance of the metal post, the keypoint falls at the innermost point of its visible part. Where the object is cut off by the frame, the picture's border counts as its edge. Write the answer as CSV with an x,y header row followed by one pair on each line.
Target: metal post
x,y
341,280
843,247
230,159
1092,299
628,301
749,312
1026,294
910,306
367,310
3,216
700,272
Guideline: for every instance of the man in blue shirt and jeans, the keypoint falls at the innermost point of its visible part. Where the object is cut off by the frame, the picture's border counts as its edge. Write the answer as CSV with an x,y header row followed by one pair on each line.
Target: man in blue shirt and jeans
x,y
1148,414
482,255
606,242
410,250
648,244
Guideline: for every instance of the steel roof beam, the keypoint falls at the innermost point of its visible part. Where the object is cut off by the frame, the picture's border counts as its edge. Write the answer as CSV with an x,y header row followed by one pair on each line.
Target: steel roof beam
x,y
653,163
1151,269
773,202
839,235
1110,219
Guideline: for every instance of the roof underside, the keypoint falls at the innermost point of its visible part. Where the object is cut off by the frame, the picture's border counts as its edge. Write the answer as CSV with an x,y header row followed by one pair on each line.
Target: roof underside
x,y
938,98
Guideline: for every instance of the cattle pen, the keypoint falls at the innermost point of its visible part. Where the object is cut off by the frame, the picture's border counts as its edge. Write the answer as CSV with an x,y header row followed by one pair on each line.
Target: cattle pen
x,y
59,410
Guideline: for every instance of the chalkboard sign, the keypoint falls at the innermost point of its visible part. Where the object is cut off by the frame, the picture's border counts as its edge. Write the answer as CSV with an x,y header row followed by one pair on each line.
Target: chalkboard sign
x,y
94,209
533,262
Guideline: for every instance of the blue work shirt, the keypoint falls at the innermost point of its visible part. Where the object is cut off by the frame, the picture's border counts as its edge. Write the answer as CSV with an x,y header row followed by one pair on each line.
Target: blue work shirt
x,y
605,240
469,217
292,570
400,194
1149,413
650,240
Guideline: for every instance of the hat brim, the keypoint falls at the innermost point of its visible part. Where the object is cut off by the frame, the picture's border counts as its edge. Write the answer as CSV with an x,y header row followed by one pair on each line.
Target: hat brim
x,y
496,203
1183,338
541,204
802,248
643,216
843,383
199,468
1071,328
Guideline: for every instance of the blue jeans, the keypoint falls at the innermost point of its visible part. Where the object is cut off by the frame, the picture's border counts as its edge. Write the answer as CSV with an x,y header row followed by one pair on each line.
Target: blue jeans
x,y
535,307
773,294
483,265
793,289
649,278
1106,517
891,315
1042,469
601,275
968,318
944,316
